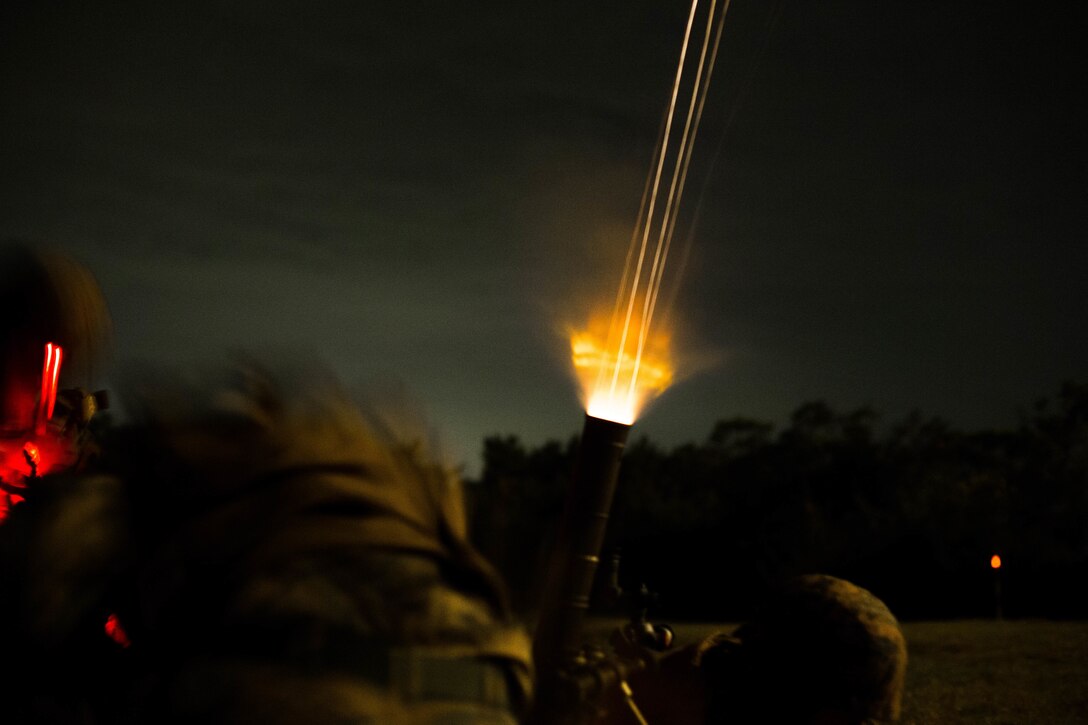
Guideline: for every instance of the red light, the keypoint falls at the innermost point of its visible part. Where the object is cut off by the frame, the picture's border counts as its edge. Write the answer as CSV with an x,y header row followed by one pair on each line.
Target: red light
x,y
53,382
115,632
50,375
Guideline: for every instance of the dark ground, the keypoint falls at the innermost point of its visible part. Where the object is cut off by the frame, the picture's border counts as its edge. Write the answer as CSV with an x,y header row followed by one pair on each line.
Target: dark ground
x,y
985,671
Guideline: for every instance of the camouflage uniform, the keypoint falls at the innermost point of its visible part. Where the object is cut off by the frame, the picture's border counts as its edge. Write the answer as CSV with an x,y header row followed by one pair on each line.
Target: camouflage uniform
x,y
277,558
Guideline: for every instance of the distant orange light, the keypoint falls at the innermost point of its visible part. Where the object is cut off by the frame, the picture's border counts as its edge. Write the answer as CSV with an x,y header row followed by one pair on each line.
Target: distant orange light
x,y
995,562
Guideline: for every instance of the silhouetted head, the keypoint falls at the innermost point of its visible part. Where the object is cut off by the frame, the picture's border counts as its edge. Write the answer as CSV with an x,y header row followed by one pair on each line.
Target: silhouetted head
x,y
821,651
54,331
45,297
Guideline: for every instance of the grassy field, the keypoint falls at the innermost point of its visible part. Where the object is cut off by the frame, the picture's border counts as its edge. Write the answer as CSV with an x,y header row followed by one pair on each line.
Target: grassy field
x,y
997,672
985,671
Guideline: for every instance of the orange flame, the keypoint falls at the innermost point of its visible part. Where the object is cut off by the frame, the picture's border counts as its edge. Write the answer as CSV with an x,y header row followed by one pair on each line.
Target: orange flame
x,y
623,364
618,382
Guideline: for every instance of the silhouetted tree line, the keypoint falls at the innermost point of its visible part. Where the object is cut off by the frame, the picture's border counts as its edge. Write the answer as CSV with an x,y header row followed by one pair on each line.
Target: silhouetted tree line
x,y
913,511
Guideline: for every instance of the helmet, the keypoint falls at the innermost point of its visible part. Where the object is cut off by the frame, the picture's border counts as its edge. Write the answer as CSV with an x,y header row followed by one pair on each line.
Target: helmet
x,y
820,650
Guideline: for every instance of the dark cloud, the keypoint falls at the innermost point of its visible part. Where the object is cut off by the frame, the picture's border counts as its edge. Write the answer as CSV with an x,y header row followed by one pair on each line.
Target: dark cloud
x,y
431,190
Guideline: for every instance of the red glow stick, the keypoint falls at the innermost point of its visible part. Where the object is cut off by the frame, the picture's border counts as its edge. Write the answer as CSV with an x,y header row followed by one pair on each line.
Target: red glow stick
x,y
50,375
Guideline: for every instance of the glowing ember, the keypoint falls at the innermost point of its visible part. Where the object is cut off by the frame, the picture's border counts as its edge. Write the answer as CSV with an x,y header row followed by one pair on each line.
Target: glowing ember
x,y
33,453
21,459
115,632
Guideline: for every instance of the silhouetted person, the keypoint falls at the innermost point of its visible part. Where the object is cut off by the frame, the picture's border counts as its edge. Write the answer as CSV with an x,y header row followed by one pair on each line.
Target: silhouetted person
x,y
54,330
252,547
820,651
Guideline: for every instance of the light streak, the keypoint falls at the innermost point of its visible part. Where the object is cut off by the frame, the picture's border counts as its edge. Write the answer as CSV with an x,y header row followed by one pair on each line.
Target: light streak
x,y
653,198
736,104
624,363
683,159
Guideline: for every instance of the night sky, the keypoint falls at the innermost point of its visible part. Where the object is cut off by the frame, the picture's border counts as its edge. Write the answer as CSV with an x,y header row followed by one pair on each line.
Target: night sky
x,y
893,212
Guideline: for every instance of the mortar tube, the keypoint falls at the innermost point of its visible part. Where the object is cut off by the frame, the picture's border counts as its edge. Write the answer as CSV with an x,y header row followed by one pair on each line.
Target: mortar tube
x,y
573,562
